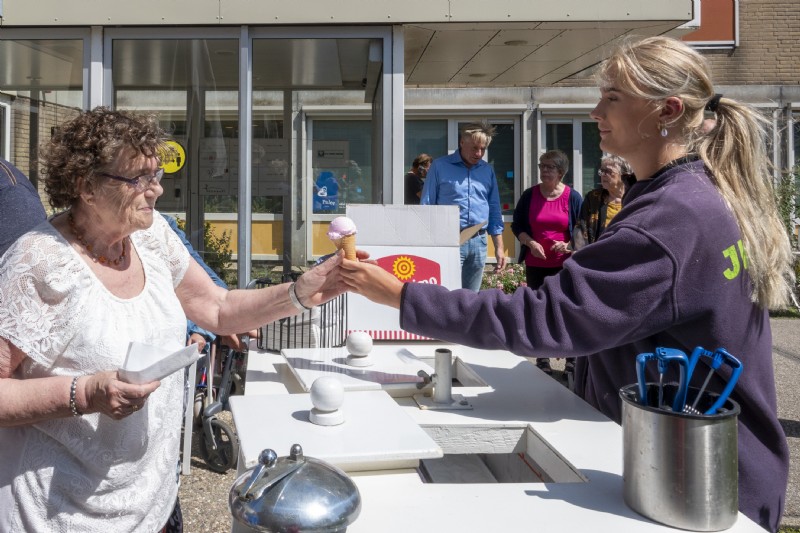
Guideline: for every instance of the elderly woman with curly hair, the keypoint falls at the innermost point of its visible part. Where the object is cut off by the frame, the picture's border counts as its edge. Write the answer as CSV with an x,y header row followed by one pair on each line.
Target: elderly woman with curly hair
x,y
80,448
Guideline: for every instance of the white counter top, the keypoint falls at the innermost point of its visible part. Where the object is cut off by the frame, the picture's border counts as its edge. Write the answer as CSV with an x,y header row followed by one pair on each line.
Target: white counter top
x,y
520,407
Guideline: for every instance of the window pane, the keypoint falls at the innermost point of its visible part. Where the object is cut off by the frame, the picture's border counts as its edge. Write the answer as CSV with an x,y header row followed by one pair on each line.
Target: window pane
x,y
796,128
200,110
342,164
590,149
3,121
45,91
425,136
558,136
501,157
219,153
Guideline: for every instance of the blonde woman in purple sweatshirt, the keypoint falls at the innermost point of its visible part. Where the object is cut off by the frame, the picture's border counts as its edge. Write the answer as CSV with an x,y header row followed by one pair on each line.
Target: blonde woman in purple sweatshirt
x,y
696,257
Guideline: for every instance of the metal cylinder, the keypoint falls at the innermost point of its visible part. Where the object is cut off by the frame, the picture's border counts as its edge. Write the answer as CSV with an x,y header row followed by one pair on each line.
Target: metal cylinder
x,y
443,363
680,469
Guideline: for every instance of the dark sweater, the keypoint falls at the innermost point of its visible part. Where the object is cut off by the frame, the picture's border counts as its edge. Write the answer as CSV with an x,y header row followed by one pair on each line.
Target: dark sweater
x,y
413,187
521,221
668,272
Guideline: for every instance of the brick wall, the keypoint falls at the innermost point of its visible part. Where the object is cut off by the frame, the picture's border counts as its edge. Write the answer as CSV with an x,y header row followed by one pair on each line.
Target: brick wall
x,y
768,51
45,115
769,46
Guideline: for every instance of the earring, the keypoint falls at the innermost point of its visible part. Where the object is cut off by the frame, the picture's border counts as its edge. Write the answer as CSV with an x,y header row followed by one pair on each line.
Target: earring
x,y
664,131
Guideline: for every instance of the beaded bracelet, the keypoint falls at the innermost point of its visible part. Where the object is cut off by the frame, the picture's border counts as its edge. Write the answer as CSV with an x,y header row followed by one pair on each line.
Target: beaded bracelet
x,y
72,391
295,300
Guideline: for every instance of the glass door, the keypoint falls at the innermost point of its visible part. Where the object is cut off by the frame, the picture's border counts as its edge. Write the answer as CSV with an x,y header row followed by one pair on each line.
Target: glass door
x,y
579,138
192,85
41,86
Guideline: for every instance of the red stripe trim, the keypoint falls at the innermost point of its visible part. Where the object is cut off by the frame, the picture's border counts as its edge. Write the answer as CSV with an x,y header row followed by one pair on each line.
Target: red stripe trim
x,y
391,334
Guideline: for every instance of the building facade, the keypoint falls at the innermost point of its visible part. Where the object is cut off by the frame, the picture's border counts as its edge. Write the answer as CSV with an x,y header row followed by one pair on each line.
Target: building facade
x,y
284,116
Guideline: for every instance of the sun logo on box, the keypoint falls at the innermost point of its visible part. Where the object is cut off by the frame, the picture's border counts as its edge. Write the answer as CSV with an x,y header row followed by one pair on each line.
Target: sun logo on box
x,y
403,268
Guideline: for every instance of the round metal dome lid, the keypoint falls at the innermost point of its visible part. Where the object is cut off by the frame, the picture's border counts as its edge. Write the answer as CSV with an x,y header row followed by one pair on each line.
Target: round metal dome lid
x,y
294,494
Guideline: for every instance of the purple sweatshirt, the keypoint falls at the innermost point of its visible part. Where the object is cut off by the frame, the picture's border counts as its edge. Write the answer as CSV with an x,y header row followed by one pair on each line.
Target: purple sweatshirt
x,y
668,271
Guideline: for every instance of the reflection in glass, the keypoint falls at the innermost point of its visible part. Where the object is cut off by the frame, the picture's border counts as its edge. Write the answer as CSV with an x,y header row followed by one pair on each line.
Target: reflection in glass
x,y
501,157
590,148
41,86
341,164
424,136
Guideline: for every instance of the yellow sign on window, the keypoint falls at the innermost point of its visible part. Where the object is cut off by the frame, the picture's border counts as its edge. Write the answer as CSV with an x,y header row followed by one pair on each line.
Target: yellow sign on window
x,y
173,157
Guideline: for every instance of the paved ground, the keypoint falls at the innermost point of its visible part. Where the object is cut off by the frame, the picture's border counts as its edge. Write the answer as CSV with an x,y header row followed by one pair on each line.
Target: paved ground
x,y
786,358
204,493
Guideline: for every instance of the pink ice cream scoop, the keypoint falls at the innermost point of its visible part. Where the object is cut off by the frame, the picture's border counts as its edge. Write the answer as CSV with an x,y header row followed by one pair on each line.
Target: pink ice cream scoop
x,y
342,231
340,227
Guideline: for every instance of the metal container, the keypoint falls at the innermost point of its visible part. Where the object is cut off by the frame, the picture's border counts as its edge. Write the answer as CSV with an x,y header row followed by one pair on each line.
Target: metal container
x,y
294,494
680,469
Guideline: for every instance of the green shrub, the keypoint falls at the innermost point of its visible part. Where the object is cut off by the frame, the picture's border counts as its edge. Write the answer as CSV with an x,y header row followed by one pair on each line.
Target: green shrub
x,y
786,197
217,252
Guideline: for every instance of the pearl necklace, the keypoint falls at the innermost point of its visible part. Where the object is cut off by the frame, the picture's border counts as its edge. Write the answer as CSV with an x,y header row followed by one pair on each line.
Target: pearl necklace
x,y
103,260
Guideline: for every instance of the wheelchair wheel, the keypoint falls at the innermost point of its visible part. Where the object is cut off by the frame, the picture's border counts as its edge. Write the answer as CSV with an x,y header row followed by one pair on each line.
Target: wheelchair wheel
x,y
224,457
197,409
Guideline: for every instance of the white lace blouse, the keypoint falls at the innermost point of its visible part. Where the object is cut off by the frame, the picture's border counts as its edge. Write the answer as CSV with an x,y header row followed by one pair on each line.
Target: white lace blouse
x,y
90,473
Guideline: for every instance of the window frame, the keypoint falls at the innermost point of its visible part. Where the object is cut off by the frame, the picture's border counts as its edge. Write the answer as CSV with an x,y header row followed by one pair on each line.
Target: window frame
x,y
575,114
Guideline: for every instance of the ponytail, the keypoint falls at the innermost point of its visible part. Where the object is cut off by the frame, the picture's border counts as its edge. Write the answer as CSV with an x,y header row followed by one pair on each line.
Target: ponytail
x,y
734,150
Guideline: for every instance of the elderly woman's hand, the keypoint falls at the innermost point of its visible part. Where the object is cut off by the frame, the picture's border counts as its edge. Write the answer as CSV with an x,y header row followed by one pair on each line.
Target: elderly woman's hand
x,y
561,247
235,341
321,283
536,249
105,393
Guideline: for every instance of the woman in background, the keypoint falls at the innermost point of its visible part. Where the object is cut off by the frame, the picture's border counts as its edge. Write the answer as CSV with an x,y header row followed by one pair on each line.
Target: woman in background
x,y
544,219
415,179
603,203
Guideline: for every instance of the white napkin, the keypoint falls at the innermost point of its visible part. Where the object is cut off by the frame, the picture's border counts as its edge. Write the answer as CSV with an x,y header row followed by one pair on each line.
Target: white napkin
x,y
145,363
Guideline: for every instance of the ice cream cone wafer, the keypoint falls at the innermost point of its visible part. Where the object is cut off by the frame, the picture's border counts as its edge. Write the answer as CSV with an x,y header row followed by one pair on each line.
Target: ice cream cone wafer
x,y
342,232
348,244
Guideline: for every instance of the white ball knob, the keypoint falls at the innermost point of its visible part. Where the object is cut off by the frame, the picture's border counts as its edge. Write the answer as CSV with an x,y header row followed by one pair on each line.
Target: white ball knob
x,y
359,343
327,393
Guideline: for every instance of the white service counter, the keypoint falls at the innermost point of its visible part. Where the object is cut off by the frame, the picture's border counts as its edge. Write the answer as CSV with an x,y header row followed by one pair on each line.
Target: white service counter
x,y
519,407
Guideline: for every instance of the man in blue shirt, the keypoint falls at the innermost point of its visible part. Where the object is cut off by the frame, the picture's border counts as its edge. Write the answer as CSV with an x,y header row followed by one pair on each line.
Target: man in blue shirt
x,y
464,179
20,206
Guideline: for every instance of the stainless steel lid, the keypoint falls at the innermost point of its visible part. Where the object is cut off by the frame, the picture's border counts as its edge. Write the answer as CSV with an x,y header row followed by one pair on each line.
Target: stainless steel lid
x,y
294,494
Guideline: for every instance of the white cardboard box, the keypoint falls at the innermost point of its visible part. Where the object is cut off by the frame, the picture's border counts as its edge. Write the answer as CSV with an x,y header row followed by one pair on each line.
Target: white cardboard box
x,y
416,243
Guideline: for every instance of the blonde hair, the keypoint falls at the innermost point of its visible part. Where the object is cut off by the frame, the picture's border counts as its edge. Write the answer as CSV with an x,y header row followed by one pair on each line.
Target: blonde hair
x,y
734,150
478,131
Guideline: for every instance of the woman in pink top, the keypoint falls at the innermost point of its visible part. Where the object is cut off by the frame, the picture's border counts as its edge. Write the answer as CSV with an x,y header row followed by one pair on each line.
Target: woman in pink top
x,y
544,218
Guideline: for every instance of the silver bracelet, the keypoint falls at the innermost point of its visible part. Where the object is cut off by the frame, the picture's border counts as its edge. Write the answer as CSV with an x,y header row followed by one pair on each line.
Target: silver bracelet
x,y
295,300
72,391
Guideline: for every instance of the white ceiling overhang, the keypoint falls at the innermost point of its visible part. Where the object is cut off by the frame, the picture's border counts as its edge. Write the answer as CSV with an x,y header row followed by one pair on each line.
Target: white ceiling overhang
x,y
515,54
447,43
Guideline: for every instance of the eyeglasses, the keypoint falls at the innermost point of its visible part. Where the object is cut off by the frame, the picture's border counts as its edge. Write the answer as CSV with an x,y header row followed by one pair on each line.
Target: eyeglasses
x,y
605,172
546,166
140,183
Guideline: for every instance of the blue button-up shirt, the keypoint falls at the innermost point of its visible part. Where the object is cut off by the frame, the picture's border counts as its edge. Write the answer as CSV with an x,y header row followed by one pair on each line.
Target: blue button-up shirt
x,y
473,190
